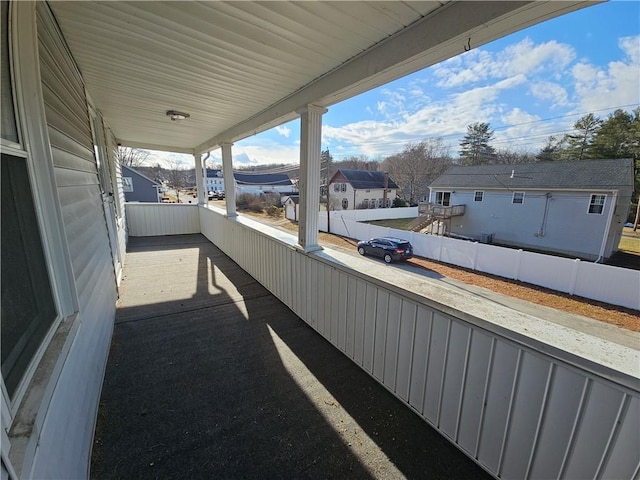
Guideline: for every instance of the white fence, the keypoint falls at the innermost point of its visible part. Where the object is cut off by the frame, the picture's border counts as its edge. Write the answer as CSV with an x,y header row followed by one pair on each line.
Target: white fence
x,y
368,215
614,285
523,397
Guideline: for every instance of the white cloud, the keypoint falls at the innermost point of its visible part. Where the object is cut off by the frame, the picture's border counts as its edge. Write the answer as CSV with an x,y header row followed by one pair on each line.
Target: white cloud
x,y
265,154
555,93
284,131
616,84
522,58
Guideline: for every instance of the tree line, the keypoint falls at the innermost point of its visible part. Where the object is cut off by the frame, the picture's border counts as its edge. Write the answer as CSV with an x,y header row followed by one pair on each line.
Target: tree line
x,y
418,164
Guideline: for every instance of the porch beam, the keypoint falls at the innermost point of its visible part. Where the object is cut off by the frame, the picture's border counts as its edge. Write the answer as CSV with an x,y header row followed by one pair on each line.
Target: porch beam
x,y
229,182
449,31
309,186
153,146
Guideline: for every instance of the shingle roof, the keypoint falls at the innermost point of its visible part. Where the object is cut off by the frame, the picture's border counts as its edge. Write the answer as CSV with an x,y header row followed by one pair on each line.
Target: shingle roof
x,y
585,174
366,179
141,174
276,179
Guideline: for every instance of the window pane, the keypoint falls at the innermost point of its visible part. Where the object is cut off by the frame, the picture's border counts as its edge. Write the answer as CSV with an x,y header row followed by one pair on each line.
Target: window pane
x,y
9,127
28,309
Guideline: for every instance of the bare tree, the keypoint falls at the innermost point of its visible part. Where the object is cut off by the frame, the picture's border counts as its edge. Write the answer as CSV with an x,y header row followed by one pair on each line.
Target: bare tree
x,y
417,166
177,177
132,157
509,157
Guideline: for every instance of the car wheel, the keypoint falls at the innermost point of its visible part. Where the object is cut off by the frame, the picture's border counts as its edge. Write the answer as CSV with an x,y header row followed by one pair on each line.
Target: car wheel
x,y
387,258
361,250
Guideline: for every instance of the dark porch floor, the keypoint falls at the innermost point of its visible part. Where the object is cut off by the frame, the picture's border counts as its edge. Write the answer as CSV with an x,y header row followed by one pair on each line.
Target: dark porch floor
x,y
210,376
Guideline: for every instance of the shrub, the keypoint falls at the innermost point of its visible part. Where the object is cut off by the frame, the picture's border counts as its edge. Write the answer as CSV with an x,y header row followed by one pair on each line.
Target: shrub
x,y
249,202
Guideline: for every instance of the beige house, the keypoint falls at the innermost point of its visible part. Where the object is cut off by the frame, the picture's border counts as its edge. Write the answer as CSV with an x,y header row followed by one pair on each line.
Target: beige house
x,y
362,189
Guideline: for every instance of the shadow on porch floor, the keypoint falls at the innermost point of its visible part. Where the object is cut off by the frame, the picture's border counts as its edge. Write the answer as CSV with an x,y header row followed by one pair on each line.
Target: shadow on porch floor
x,y
210,376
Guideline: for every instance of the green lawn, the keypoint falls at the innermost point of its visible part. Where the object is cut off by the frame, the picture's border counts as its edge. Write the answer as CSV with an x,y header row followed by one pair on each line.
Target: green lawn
x,y
399,223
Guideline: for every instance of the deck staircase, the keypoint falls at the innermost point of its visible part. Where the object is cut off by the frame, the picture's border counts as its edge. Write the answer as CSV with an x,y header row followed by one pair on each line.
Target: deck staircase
x,y
430,212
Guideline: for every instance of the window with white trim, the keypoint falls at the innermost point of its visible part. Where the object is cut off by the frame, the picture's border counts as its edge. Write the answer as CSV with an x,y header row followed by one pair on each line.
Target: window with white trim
x,y
127,184
443,198
517,198
478,196
596,204
345,203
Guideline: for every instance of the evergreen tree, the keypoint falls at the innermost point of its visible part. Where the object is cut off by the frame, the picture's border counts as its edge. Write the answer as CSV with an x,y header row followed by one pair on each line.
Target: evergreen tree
x,y
580,144
619,136
475,148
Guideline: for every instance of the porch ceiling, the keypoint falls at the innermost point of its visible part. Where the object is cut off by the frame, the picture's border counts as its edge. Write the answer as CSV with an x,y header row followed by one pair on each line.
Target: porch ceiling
x,y
241,67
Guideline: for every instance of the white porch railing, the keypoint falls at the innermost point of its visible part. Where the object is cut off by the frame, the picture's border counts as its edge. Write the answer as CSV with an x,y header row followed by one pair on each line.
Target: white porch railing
x,y
149,219
524,397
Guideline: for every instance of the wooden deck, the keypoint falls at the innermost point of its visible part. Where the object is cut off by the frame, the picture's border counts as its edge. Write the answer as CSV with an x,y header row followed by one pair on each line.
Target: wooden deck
x,y
210,376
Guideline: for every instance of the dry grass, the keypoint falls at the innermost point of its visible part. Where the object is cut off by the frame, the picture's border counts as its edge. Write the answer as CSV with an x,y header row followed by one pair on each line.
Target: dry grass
x,y
630,241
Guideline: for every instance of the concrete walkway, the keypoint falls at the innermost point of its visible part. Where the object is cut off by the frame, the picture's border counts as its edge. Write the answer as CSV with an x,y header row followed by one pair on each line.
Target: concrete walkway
x,y
210,376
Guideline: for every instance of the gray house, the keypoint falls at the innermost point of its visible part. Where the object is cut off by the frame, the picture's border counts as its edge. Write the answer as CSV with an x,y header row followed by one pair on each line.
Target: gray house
x,y
138,187
571,208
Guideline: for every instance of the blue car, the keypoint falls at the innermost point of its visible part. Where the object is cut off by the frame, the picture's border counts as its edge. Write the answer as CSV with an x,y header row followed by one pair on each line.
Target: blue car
x,y
388,248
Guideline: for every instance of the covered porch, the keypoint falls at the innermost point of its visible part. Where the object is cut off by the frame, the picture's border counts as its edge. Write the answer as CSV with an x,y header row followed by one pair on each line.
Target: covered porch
x,y
285,334
211,376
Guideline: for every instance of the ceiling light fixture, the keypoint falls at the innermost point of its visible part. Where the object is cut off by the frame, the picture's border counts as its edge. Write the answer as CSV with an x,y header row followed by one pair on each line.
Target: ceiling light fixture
x,y
177,116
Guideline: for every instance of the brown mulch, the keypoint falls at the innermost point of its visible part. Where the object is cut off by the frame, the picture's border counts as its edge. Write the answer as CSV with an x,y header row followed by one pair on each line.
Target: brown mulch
x,y
619,316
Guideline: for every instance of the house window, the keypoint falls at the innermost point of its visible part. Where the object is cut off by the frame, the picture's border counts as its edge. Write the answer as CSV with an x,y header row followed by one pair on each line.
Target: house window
x,y
8,126
518,197
28,308
380,203
127,184
478,196
345,203
596,204
343,187
372,203
443,198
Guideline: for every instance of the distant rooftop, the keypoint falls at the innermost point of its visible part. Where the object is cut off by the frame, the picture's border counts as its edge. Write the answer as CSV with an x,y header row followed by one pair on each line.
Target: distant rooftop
x,y
365,179
584,174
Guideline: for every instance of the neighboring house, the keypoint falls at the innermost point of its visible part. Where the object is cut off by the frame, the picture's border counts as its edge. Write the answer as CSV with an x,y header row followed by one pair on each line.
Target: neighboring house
x,y
259,183
291,205
138,187
356,189
214,180
571,208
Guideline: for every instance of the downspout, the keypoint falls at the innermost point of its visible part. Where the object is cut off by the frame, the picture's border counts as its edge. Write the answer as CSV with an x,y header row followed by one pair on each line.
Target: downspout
x,y
614,201
204,171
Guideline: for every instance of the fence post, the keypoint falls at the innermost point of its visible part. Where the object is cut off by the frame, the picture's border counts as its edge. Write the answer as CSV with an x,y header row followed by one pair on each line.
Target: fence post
x,y
516,272
475,255
440,248
574,276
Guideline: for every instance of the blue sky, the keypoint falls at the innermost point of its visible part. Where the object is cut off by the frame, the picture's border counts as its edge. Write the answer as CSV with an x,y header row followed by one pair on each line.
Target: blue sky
x,y
529,85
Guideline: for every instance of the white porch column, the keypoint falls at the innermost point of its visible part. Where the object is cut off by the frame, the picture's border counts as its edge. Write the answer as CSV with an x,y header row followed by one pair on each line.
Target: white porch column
x,y
229,183
309,186
199,179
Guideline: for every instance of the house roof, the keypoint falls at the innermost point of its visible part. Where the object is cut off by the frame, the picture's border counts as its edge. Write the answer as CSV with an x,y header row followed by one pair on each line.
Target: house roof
x,y
239,68
585,174
275,179
133,170
365,179
214,173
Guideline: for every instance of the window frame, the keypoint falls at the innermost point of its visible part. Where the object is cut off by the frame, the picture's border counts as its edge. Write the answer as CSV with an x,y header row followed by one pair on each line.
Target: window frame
x,y
345,204
34,144
481,196
592,204
521,198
